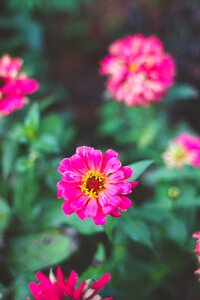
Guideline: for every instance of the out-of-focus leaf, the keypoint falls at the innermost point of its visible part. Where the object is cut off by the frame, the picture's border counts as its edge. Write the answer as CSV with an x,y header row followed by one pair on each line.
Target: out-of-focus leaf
x,y
8,156
35,251
165,174
31,124
47,143
20,286
54,216
137,231
176,230
181,92
4,214
139,167
25,194
52,124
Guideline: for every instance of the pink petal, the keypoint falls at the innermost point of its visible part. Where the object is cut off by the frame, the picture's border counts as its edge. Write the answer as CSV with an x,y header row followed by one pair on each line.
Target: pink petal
x,y
115,177
107,156
125,203
100,219
112,189
91,208
71,194
79,202
99,284
196,235
81,213
112,166
115,213
78,164
128,172
72,177
67,208
92,158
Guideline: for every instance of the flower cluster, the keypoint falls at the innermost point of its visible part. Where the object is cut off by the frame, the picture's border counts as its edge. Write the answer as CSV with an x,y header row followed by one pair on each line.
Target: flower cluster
x,y
93,185
13,86
60,288
139,71
185,149
196,235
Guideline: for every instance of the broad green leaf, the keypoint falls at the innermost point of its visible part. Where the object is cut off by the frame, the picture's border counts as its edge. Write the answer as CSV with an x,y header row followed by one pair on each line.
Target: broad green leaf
x,y
181,92
139,167
32,252
4,214
54,216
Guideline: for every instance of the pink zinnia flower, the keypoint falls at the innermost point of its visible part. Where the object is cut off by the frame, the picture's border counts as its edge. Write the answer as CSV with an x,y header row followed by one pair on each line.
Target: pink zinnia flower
x,y
93,184
60,288
196,235
185,149
13,86
139,71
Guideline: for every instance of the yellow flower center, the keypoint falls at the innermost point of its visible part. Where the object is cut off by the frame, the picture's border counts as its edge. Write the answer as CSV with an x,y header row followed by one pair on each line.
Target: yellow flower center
x,y
92,183
133,67
180,154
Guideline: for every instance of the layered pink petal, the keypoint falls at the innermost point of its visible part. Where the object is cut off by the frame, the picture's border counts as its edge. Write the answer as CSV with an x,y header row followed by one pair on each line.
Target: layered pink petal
x,y
139,71
93,184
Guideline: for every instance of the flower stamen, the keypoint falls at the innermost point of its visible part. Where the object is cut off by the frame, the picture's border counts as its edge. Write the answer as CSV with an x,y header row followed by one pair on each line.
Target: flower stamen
x,y
93,183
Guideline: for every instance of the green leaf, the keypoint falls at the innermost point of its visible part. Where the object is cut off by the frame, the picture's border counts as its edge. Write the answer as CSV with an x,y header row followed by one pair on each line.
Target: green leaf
x,y
4,214
8,156
181,92
25,194
176,230
20,286
47,143
139,167
31,124
35,251
54,216
137,231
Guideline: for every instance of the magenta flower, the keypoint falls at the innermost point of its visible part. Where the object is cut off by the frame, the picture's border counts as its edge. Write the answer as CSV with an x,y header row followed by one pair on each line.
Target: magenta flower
x,y
94,185
196,235
60,288
185,149
13,86
139,71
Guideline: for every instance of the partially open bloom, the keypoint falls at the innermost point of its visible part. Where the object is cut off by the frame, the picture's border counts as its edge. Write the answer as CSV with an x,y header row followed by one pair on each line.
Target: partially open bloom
x,y
196,235
139,71
61,288
185,149
94,185
13,86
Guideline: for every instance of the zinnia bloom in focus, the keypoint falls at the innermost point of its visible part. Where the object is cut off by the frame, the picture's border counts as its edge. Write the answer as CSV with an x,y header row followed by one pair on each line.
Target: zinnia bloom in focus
x,y
94,185
196,235
13,86
185,149
60,288
139,71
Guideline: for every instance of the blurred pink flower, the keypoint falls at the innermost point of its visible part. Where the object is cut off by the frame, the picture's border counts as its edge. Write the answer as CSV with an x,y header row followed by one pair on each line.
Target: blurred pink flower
x,y
185,149
60,288
94,185
13,86
196,235
139,71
